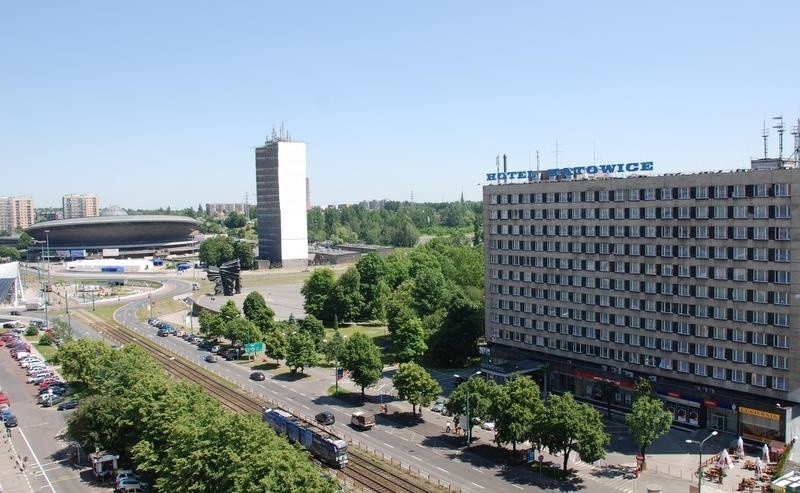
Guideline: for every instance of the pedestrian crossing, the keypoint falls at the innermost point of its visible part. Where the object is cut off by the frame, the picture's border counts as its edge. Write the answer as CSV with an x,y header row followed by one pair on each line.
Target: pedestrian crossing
x,y
618,477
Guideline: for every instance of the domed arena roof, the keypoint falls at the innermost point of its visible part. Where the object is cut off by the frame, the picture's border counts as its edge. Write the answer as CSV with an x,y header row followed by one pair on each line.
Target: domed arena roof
x,y
113,210
111,231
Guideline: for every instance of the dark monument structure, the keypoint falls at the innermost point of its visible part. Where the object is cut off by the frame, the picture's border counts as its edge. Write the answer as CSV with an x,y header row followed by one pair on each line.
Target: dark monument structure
x,y
226,278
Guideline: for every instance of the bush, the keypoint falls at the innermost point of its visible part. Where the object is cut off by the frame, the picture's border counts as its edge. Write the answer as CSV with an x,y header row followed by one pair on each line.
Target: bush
x,y
32,331
46,340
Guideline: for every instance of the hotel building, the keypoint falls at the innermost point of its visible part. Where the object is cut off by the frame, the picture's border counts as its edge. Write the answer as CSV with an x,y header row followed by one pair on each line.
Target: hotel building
x,y
685,279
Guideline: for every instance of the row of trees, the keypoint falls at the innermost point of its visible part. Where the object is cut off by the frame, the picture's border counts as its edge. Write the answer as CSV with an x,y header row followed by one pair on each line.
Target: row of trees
x,y
178,437
431,298
396,223
220,249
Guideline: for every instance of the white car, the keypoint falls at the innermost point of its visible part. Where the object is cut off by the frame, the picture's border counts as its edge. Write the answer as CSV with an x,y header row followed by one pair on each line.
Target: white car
x,y
30,360
488,425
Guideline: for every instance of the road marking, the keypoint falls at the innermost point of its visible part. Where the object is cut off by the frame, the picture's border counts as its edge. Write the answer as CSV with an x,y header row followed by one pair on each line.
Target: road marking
x,y
22,434
479,486
415,457
444,470
517,486
282,385
390,446
302,394
476,469
306,407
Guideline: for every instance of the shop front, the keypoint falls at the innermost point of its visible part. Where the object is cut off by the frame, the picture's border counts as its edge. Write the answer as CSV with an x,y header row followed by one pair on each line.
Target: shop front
x,y
685,410
614,391
760,425
720,415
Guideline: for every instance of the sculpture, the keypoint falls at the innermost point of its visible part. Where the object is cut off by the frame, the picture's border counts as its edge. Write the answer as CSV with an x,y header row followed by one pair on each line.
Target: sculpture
x,y
226,278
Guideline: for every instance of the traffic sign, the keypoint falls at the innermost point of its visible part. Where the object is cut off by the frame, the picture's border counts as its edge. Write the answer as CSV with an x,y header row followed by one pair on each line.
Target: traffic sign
x,y
254,347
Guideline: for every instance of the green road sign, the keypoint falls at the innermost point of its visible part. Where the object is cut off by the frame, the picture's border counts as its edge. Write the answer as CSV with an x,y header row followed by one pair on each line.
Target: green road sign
x,y
254,347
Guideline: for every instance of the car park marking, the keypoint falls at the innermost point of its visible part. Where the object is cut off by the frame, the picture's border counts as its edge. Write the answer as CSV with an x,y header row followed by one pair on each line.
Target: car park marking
x,y
517,486
302,394
477,469
306,407
476,484
390,446
444,470
282,385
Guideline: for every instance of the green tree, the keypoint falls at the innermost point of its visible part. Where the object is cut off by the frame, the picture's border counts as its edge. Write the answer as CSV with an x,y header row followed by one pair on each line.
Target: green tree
x,y
276,344
373,286
456,341
25,241
243,250
241,330
517,410
416,386
317,291
235,220
256,310
211,324
481,393
302,353
312,326
216,250
363,359
229,311
569,426
648,421
333,347
83,359
62,329
9,252
409,341
347,295
430,291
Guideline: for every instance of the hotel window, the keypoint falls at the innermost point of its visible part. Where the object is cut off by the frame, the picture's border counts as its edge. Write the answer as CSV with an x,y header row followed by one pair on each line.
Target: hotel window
x,y
719,352
720,293
649,231
761,190
720,253
759,317
761,254
683,366
619,213
780,298
761,212
720,232
739,335
683,193
760,233
650,250
684,232
604,232
666,270
701,232
719,312
701,291
683,213
739,253
683,347
779,383
649,324
719,373
779,362
666,213
701,212
650,193
603,196
740,274
701,192
649,305
666,344
758,359
781,277
666,288
700,369
619,248
618,195
666,194
633,213
720,192
649,212
740,212
633,340
781,189
740,233
738,355
634,286
683,328
783,255
781,319
701,350
633,194
739,315
782,212
737,376
759,296
634,358
720,212
701,251
782,234
720,333
780,341
603,213
759,338
684,270
760,275
739,191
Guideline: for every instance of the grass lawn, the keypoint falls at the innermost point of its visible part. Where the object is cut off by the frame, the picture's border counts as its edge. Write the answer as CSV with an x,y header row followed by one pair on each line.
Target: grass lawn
x,y
106,312
47,352
161,307
378,333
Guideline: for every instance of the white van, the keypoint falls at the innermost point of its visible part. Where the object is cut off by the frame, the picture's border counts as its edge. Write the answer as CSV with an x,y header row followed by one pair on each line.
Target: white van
x,y
22,354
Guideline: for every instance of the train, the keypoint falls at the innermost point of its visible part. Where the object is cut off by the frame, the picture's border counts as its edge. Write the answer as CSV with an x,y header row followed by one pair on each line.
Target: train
x,y
326,447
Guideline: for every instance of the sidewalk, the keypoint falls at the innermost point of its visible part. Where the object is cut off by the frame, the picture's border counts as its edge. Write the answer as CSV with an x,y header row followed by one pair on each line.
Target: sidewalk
x,y
13,464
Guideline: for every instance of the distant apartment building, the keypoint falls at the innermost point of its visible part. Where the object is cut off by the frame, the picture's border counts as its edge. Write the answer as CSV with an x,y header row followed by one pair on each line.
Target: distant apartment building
x,y
281,206
220,209
80,205
16,212
687,280
49,214
373,204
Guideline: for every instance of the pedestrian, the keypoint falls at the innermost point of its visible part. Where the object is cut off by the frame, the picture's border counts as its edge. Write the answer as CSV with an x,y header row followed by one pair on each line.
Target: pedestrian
x,y
740,447
448,428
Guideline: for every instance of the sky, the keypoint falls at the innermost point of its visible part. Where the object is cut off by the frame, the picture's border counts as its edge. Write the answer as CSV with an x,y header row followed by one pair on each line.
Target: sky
x,y
156,104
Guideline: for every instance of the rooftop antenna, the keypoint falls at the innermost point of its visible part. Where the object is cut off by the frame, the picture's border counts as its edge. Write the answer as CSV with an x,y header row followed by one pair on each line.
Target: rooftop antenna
x,y
537,159
796,135
497,163
765,136
779,127
505,169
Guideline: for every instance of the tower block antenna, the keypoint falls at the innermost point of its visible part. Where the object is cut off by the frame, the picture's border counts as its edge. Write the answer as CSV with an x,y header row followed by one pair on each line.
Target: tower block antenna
x,y
779,127
765,136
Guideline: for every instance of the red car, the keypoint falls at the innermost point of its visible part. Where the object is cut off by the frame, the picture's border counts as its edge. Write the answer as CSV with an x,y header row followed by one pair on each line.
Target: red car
x,y
4,399
47,382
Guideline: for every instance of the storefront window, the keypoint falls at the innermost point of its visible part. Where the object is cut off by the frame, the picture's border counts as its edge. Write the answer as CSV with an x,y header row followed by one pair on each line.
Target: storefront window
x,y
760,425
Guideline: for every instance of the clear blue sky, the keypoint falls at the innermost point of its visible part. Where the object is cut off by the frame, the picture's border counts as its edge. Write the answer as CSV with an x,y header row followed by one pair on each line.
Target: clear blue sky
x,y
153,104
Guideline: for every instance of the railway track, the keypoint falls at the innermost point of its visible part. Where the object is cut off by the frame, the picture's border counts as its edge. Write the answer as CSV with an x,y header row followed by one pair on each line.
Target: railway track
x,y
365,474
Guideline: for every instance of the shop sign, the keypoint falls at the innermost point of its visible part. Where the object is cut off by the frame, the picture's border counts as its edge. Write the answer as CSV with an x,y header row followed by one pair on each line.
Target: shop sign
x,y
676,395
759,413
709,403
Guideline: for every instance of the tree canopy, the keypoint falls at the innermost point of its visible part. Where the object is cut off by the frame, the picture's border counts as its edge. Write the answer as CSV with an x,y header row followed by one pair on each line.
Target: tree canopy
x,y
415,385
568,426
648,420
361,357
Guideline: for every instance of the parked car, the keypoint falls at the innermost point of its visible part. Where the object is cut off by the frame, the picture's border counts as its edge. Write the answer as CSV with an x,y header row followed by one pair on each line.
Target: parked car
x,y
214,348
10,420
325,418
438,406
180,333
71,404
162,333
230,354
488,425
130,484
52,400
257,376
211,358
125,474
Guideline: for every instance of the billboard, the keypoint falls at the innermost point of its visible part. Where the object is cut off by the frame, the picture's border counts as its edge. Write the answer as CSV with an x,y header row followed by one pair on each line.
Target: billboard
x,y
77,253
110,252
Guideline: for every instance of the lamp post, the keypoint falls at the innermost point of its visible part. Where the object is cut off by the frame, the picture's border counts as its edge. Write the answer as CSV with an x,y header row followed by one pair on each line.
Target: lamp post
x,y
469,418
47,286
700,460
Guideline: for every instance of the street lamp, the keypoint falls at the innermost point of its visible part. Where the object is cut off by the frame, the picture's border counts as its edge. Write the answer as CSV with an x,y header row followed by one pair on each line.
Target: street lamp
x,y
47,287
469,418
700,461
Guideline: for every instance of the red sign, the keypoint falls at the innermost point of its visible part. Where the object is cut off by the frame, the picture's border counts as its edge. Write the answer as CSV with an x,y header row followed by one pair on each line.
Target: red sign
x,y
676,395
709,403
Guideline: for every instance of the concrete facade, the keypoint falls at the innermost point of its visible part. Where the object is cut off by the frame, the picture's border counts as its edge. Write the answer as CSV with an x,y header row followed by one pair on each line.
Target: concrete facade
x,y
281,207
687,280
80,205
16,212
